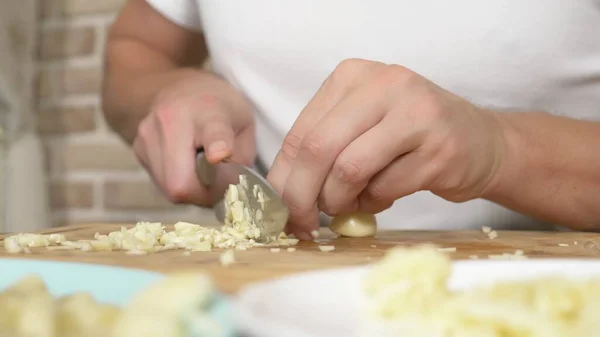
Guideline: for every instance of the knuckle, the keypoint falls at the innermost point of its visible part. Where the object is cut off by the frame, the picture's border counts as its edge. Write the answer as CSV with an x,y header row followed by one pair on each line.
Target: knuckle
x,y
394,74
209,101
338,209
406,74
349,171
163,115
450,183
291,146
296,209
399,70
144,131
328,206
428,117
161,109
432,108
177,193
376,192
374,208
350,64
314,146
177,190
450,150
349,69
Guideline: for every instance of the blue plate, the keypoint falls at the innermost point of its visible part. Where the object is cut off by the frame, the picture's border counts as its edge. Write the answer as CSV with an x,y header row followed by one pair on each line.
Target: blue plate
x,y
107,284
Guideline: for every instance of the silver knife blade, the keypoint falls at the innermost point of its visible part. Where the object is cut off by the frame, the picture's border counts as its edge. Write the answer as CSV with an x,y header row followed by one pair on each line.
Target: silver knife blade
x,y
219,176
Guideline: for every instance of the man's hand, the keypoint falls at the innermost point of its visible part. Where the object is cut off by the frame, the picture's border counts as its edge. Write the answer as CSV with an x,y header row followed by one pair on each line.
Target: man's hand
x,y
158,100
374,133
190,113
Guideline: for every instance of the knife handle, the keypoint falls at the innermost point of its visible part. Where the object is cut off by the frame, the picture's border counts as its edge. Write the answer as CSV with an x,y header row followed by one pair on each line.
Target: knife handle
x,y
205,171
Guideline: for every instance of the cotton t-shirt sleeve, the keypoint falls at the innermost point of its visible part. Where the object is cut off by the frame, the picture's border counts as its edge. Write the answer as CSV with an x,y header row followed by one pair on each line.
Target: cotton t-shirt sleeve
x,y
182,12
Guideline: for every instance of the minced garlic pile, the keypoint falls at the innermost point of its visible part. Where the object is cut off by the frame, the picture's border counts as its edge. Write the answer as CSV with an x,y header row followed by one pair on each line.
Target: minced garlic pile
x,y
179,305
242,230
407,295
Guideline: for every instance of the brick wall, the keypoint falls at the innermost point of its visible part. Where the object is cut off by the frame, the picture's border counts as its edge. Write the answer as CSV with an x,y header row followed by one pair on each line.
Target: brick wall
x,y
94,177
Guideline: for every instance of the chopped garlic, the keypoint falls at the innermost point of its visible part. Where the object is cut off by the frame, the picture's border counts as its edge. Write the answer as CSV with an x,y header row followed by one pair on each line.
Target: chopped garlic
x,y
492,235
242,230
291,249
31,240
486,229
86,246
563,245
202,246
407,293
11,245
517,255
101,245
61,248
136,252
447,250
326,248
227,258
240,215
275,250
152,237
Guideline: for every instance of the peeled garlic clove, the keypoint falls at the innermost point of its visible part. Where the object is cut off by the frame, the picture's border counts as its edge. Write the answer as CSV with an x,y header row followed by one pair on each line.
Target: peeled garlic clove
x,y
357,225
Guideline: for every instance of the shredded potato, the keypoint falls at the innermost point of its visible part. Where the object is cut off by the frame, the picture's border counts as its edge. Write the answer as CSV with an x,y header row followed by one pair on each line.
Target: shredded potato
x,y
407,295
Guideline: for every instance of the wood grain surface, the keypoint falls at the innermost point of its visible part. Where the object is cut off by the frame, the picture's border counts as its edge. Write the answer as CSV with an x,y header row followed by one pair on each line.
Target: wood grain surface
x,y
258,264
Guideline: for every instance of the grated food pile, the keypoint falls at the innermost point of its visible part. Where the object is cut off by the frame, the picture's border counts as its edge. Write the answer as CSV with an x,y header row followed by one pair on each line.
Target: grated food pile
x,y
242,230
407,294
178,305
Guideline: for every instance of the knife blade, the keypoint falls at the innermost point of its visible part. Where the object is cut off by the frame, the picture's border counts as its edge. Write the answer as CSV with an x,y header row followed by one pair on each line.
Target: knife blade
x,y
218,177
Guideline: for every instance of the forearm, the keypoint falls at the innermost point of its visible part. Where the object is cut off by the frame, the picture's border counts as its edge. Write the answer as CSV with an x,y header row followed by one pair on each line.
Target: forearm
x,y
130,84
144,53
551,169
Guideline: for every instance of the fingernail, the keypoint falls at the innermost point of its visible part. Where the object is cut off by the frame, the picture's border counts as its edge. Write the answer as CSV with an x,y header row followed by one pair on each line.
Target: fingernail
x,y
216,147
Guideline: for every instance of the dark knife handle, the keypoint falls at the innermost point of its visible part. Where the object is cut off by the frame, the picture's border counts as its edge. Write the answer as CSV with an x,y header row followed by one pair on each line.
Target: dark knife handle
x,y
205,171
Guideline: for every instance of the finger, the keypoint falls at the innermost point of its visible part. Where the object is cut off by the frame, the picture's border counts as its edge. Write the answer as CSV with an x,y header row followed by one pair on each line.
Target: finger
x,y
139,148
403,176
324,99
217,137
178,161
244,150
350,118
360,161
348,75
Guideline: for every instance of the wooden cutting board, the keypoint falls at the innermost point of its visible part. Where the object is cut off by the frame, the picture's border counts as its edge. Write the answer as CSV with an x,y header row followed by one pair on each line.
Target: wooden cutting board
x,y
260,263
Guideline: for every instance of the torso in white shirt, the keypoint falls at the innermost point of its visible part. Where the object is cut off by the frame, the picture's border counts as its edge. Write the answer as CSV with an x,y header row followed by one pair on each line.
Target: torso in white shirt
x,y
536,54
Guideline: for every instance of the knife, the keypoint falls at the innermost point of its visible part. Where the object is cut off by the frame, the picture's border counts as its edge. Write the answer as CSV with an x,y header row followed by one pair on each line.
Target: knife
x,y
218,177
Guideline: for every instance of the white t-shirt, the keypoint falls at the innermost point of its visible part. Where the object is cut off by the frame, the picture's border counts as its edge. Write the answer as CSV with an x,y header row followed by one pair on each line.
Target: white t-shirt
x,y
535,54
